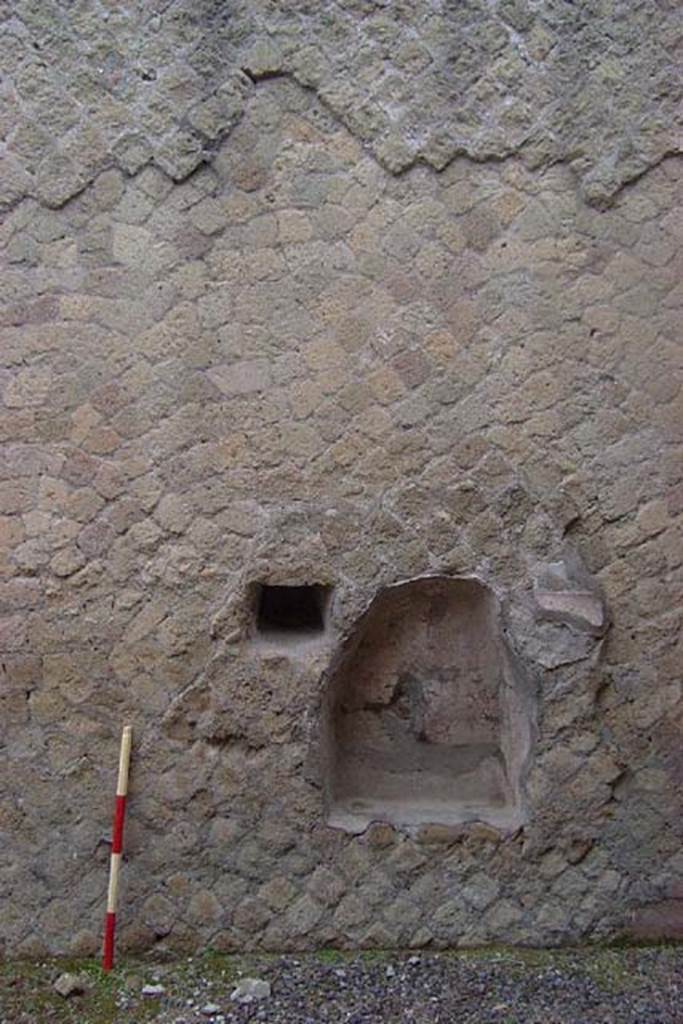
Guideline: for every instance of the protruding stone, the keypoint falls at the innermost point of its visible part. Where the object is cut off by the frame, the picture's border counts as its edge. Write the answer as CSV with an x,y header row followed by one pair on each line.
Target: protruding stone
x,y
264,58
251,990
658,921
565,593
153,991
69,984
380,834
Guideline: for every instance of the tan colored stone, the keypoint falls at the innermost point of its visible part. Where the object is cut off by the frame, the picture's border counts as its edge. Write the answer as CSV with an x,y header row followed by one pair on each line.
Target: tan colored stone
x,y
386,385
286,361
12,531
67,561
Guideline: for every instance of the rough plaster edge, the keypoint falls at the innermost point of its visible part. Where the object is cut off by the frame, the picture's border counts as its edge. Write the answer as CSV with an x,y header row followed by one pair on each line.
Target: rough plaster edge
x,y
210,148
346,642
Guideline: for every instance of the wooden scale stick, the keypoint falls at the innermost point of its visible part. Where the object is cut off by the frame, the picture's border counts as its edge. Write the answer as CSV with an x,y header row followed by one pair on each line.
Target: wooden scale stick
x,y
116,848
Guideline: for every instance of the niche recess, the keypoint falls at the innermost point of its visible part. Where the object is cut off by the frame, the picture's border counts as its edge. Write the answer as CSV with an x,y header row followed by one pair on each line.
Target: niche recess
x,y
286,615
427,718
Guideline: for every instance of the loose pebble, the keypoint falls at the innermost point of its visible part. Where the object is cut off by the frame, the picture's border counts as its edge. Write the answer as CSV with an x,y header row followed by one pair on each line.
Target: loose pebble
x,y
153,990
251,989
68,984
589,986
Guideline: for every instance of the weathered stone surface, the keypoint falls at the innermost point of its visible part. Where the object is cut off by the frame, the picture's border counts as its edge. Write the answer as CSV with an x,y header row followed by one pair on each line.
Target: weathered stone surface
x,y
565,594
407,745
270,360
153,991
69,984
414,83
658,921
251,990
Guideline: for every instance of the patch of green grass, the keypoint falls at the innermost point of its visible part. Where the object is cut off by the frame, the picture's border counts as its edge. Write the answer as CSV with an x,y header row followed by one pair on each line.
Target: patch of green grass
x,y
377,956
28,994
611,970
330,956
213,964
521,956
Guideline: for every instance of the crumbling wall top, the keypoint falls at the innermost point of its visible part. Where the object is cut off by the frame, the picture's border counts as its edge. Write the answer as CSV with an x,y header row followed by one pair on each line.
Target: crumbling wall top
x,y
92,84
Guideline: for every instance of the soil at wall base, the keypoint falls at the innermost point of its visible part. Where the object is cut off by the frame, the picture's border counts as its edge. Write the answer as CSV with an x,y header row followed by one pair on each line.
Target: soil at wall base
x,y
587,986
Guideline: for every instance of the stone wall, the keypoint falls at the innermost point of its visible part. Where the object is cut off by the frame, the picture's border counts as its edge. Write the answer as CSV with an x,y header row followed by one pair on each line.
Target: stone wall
x,y
342,296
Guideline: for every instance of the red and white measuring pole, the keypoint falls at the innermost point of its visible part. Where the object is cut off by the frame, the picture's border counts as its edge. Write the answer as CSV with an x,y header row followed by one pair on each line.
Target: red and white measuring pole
x,y
116,848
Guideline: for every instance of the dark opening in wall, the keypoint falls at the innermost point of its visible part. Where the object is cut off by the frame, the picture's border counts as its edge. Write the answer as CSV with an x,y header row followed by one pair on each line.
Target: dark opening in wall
x,y
298,611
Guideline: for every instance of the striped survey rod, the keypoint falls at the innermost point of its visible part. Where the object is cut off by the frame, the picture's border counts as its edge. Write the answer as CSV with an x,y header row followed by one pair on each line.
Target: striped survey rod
x,y
116,848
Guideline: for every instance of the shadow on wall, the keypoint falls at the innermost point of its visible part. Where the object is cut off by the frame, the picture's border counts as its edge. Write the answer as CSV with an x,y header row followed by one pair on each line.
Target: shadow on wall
x,y
427,718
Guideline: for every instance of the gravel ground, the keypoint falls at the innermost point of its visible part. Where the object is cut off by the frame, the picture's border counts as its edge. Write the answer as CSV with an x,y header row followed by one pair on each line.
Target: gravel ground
x,y
588,986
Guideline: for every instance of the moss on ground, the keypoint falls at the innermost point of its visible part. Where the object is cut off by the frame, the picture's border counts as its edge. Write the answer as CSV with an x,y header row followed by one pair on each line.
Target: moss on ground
x,y
27,994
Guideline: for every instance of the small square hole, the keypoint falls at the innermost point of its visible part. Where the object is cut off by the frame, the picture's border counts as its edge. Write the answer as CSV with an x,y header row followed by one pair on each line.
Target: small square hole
x,y
298,610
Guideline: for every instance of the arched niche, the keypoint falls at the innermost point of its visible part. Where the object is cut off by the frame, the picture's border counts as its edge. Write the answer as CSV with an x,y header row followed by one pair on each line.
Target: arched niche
x,y
427,718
